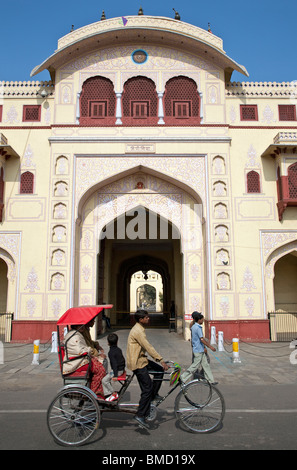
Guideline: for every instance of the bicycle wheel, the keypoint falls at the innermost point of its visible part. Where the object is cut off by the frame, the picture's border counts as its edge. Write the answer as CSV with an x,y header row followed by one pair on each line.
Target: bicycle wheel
x,y
200,407
73,416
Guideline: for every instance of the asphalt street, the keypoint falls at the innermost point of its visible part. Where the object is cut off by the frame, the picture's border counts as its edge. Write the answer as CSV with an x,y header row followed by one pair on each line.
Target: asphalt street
x,y
259,392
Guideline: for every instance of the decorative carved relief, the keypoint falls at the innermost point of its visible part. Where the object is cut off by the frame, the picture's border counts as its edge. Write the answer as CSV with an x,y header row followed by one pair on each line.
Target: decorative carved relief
x,y
248,280
59,234
220,211
272,240
276,255
222,257
221,233
60,211
28,161
32,281
56,306
252,158
213,94
30,307
61,189
219,189
224,305
62,165
223,281
58,258
57,281
218,165
190,171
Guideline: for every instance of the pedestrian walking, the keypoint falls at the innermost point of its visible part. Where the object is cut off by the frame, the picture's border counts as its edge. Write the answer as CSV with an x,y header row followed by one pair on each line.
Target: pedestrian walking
x,y
199,343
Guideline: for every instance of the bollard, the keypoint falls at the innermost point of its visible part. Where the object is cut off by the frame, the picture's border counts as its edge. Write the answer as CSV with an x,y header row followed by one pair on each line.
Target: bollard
x,y
221,341
36,352
213,340
54,342
236,358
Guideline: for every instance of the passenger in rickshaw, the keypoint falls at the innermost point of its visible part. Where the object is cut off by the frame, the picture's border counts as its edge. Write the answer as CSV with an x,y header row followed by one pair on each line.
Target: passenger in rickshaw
x,y
76,345
97,350
118,363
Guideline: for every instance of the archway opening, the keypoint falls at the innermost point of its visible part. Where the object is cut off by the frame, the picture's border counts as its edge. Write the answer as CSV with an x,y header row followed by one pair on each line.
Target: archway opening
x,y
140,265
3,286
146,291
285,280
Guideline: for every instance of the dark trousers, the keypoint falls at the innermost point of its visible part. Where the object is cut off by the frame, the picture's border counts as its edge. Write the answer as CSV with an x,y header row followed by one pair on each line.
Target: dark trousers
x,y
149,388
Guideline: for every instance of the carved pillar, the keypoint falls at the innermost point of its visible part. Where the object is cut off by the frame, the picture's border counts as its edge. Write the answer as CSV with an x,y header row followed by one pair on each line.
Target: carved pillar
x,y
160,109
119,109
201,107
78,108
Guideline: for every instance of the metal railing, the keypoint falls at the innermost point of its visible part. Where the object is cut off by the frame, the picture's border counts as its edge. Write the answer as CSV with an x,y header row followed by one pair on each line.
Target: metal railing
x,y
5,327
283,326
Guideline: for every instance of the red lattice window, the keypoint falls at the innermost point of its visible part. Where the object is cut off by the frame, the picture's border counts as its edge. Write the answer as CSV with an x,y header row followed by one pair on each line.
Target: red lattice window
x,y
31,113
140,109
140,102
181,109
97,102
253,182
181,102
27,183
292,181
287,112
98,109
248,112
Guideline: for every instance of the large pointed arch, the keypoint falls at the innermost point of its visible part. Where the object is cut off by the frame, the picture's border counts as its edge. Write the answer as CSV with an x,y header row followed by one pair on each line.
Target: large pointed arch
x,y
276,255
164,198
131,171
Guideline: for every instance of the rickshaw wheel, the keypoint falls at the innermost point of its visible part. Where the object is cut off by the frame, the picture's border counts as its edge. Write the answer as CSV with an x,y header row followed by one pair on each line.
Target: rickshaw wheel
x,y
73,416
200,407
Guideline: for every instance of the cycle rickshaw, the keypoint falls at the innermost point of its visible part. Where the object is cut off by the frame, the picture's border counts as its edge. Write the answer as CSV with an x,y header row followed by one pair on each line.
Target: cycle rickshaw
x,y
75,413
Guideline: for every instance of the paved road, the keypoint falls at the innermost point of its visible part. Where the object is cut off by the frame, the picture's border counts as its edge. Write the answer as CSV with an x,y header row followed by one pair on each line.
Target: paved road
x,y
257,417
260,396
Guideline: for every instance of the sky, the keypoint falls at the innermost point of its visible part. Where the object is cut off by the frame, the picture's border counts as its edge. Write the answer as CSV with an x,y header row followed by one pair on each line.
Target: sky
x,y
259,34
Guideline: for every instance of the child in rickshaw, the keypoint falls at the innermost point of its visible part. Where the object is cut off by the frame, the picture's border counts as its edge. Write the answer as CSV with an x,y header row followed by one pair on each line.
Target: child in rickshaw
x,y
118,364
76,345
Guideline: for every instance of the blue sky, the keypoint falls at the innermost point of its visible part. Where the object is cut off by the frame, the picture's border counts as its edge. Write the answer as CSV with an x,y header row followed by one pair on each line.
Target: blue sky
x,y
259,34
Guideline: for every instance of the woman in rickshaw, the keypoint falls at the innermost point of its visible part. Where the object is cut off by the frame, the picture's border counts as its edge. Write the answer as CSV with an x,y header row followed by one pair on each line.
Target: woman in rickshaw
x,y
77,345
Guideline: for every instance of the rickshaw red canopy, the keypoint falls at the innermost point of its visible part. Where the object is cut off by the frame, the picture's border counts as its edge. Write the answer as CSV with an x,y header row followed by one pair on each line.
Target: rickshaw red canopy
x,y
81,315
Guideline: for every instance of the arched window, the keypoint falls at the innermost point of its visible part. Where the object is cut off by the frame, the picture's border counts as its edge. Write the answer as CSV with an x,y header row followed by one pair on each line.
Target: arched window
x,y
27,183
182,102
253,182
97,102
140,102
292,181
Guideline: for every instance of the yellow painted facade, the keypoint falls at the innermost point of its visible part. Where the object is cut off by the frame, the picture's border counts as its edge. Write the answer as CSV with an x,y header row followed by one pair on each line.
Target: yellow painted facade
x,y
213,185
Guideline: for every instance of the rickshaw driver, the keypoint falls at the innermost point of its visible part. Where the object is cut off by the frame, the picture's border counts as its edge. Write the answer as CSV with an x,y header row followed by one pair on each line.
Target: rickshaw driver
x,y
138,362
